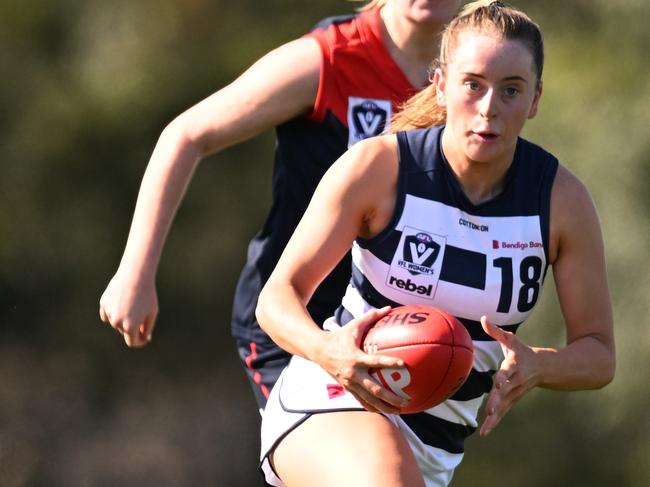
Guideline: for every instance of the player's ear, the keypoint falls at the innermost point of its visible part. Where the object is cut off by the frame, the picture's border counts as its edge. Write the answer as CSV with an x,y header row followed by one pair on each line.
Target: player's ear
x,y
439,81
538,95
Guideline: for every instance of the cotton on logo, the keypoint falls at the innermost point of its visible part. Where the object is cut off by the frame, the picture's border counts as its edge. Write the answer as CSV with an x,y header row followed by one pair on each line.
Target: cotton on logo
x,y
394,379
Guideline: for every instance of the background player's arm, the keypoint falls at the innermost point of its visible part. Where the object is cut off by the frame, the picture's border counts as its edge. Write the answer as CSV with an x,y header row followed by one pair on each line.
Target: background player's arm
x,y
278,87
588,359
355,197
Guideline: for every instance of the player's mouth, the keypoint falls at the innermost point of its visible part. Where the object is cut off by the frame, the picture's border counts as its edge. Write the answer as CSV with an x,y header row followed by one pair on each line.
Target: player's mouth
x,y
485,135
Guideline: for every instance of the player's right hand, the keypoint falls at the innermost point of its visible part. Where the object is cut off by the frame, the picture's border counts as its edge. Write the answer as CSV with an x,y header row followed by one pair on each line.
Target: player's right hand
x,y
346,362
130,308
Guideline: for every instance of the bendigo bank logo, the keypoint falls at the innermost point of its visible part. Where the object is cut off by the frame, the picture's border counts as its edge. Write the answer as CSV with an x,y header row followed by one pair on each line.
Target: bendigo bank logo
x,y
496,244
366,118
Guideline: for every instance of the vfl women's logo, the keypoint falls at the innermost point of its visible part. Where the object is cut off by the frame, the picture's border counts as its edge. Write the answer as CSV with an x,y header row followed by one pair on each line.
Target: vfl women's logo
x,y
366,118
420,253
415,268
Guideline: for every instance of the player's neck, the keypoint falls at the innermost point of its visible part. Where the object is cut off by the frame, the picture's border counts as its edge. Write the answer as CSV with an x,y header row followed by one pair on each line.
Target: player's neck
x,y
412,46
480,181
478,188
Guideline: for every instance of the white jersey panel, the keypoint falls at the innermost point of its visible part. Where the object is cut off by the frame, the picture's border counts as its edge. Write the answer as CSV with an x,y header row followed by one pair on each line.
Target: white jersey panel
x,y
460,412
503,260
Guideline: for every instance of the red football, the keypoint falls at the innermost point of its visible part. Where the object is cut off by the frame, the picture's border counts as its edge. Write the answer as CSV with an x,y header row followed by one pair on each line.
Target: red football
x,y
436,349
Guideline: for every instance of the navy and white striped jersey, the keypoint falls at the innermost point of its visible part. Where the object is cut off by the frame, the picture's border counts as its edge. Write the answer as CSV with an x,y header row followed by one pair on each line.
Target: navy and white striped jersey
x,y
470,260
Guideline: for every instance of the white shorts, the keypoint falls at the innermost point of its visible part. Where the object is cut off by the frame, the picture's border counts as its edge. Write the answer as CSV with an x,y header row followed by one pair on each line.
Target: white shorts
x,y
303,389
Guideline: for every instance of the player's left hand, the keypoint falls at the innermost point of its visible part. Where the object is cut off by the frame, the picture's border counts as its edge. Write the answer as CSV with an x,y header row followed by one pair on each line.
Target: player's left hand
x,y
519,373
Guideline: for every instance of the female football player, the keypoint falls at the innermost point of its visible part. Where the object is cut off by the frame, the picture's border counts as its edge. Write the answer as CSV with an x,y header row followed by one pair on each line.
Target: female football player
x,y
481,213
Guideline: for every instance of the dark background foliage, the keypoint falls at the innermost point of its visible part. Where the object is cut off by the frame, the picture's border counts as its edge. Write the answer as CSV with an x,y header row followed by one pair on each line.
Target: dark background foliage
x,y
86,88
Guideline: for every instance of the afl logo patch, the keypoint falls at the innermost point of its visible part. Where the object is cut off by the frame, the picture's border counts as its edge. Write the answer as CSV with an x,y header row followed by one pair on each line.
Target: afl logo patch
x,y
367,118
415,268
420,253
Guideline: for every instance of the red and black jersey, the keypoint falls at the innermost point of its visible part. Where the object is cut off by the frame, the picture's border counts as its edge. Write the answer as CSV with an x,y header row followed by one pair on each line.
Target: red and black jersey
x,y
360,87
360,83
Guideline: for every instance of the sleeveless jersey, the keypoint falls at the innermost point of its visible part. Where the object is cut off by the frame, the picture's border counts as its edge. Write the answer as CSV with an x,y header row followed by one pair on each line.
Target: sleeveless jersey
x,y
470,260
360,86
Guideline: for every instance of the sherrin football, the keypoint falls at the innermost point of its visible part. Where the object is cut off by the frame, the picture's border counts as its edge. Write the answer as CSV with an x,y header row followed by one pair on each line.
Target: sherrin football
x,y
435,347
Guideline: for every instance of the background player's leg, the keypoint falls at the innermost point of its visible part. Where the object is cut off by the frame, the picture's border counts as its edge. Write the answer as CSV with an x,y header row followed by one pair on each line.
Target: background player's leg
x,y
263,362
350,448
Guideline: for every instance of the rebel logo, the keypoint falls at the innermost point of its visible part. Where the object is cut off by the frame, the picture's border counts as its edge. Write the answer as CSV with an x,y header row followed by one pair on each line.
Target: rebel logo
x,y
410,286
420,253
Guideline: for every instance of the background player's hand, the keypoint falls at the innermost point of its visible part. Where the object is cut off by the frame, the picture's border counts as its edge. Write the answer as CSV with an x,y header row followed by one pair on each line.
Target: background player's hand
x,y
131,308
344,360
519,373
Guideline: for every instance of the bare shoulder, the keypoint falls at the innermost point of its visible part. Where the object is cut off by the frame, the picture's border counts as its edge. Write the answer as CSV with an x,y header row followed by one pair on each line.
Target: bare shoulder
x,y
292,70
372,168
279,86
371,163
303,54
375,151
574,218
570,198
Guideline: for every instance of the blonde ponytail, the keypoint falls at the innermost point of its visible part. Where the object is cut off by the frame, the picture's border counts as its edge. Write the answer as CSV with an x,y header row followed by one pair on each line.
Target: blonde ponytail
x,y
419,111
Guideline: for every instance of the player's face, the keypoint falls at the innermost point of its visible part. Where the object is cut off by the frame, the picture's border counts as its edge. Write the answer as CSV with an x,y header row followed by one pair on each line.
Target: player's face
x,y
433,12
489,89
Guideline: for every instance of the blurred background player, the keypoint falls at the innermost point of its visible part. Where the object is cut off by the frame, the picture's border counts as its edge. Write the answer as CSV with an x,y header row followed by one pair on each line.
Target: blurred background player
x,y
482,213
322,92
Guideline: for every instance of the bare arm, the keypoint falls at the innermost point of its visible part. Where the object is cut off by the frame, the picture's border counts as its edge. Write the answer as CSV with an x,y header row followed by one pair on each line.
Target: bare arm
x,y
355,197
343,207
588,359
278,87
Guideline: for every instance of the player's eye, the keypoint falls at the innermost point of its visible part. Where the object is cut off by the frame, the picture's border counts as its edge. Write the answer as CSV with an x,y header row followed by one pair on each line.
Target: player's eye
x,y
510,91
472,85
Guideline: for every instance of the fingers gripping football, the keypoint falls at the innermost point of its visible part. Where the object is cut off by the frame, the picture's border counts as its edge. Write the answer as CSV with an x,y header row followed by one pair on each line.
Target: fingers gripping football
x,y
349,364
